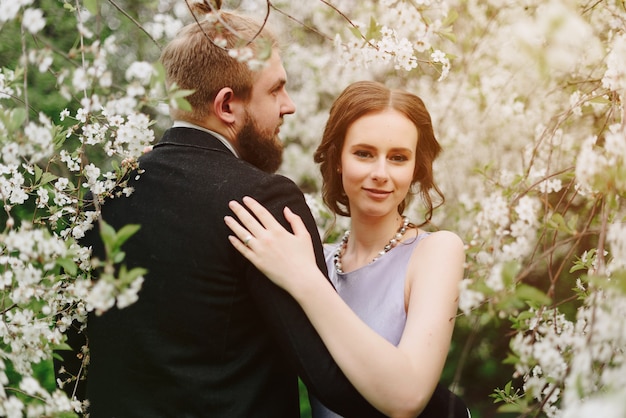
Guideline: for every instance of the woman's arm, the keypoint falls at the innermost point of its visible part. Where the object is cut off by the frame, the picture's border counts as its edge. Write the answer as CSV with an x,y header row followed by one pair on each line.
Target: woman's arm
x,y
400,380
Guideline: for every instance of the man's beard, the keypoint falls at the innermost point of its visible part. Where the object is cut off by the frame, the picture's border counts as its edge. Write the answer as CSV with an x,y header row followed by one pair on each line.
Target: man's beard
x,y
259,149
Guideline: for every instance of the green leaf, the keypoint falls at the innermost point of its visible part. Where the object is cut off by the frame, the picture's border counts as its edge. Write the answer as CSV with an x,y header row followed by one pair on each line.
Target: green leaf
x,y
510,407
510,359
62,346
356,32
183,104
572,223
451,36
182,93
453,15
557,222
59,136
91,6
119,256
47,178
107,233
509,272
617,281
532,294
68,265
38,173
129,276
373,31
125,233
158,76
16,119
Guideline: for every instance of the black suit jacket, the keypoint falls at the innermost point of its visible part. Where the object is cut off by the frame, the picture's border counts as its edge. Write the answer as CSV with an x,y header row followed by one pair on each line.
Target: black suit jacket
x,y
210,336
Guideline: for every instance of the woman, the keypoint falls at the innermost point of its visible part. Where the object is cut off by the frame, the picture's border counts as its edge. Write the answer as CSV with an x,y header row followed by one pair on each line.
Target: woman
x,y
390,322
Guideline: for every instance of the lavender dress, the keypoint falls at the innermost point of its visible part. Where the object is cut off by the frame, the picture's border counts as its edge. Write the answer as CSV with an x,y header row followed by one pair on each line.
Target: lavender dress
x,y
375,292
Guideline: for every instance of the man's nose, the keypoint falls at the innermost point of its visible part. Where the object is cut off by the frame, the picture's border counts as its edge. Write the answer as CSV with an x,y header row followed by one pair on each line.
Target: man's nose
x,y
288,107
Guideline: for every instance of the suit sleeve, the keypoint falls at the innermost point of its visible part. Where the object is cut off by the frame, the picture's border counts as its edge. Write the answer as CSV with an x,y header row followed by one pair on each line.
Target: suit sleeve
x,y
287,320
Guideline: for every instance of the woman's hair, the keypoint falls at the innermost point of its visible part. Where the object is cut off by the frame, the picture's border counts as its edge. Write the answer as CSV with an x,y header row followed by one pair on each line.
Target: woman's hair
x,y
357,100
198,58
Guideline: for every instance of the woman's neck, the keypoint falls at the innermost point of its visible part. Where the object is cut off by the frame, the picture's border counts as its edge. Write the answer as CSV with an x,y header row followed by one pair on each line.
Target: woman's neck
x,y
368,237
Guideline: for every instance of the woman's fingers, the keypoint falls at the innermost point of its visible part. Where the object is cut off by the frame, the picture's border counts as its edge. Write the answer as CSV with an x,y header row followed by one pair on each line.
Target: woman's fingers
x,y
255,217
268,231
239,246
298,227
265,216
245,218
242,234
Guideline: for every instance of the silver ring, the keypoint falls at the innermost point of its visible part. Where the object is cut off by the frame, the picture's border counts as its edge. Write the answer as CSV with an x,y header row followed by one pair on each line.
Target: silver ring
x,y
246,240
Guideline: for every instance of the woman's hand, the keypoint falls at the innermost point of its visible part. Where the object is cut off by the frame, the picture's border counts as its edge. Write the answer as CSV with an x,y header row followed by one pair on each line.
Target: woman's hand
x,y
276,252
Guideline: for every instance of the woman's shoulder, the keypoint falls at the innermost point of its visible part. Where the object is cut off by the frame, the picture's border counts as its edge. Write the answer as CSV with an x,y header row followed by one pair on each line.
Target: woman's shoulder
x,y
441,238
440,254
438,246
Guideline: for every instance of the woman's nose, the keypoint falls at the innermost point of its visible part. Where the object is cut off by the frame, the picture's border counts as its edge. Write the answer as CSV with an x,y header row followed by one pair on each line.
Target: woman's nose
x,y
379,171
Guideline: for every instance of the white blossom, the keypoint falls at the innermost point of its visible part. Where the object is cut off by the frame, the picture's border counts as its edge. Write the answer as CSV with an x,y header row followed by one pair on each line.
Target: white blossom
x,y
130,295
615,75
10,8
33,20
102,296
140,71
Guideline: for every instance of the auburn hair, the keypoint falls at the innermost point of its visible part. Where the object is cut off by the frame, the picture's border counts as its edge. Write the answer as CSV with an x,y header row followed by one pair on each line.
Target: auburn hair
x,y
357,100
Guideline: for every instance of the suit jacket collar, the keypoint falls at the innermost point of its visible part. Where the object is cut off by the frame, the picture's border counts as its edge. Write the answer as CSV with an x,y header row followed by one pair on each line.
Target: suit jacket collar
x,y
190,137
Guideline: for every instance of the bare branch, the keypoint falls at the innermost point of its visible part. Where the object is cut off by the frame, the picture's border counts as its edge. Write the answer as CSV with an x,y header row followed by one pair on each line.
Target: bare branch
x,y
134,21
208,7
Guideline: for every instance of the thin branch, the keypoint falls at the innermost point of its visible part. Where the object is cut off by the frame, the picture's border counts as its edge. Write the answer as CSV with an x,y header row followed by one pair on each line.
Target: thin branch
x,y
210,8
347,19
25,78
122,11
304,25
604,219
469,342
314,30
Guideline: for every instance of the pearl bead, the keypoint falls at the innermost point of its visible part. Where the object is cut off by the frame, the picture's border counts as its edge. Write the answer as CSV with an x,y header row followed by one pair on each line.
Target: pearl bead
x,y
392,243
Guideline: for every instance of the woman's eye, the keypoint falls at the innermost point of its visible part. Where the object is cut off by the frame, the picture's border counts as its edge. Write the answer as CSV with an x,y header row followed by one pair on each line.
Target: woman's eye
x,y
362,154
398,158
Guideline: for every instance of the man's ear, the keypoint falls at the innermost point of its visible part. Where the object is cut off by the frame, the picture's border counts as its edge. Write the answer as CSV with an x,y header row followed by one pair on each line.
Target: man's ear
x,y
223,105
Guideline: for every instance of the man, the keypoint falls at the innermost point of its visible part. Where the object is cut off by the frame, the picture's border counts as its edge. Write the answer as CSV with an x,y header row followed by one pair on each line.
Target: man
x,y
210,336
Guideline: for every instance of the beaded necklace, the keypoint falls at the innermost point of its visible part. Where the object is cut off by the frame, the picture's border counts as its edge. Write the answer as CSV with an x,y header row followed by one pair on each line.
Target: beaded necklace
x,y
392,243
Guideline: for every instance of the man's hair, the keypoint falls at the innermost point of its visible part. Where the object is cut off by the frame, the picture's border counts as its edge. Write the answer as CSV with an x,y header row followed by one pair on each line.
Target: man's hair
x,y
366,97
198,59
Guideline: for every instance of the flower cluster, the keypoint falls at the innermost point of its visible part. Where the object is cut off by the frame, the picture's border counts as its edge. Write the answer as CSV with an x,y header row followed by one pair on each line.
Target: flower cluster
x,y
602,166
47,166
563,362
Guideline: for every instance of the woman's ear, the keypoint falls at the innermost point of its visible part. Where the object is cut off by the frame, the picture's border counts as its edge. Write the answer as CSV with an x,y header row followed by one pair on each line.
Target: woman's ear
x,y
223,105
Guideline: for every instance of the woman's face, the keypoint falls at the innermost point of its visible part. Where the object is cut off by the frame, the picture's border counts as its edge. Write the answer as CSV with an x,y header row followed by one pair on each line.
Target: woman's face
x,y
377,162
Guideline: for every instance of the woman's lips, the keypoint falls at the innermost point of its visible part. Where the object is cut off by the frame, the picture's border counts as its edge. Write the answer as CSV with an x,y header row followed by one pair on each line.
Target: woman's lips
x,y
377,194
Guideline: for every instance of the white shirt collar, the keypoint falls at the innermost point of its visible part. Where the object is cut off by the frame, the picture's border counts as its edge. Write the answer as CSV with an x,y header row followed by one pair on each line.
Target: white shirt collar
x,y
185,124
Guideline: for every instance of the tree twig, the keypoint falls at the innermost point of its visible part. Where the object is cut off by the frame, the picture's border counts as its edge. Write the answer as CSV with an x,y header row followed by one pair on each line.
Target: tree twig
x,y
132,19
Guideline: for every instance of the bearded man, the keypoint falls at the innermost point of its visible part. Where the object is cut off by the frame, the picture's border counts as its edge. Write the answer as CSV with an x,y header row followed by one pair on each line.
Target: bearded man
x,y
210,336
